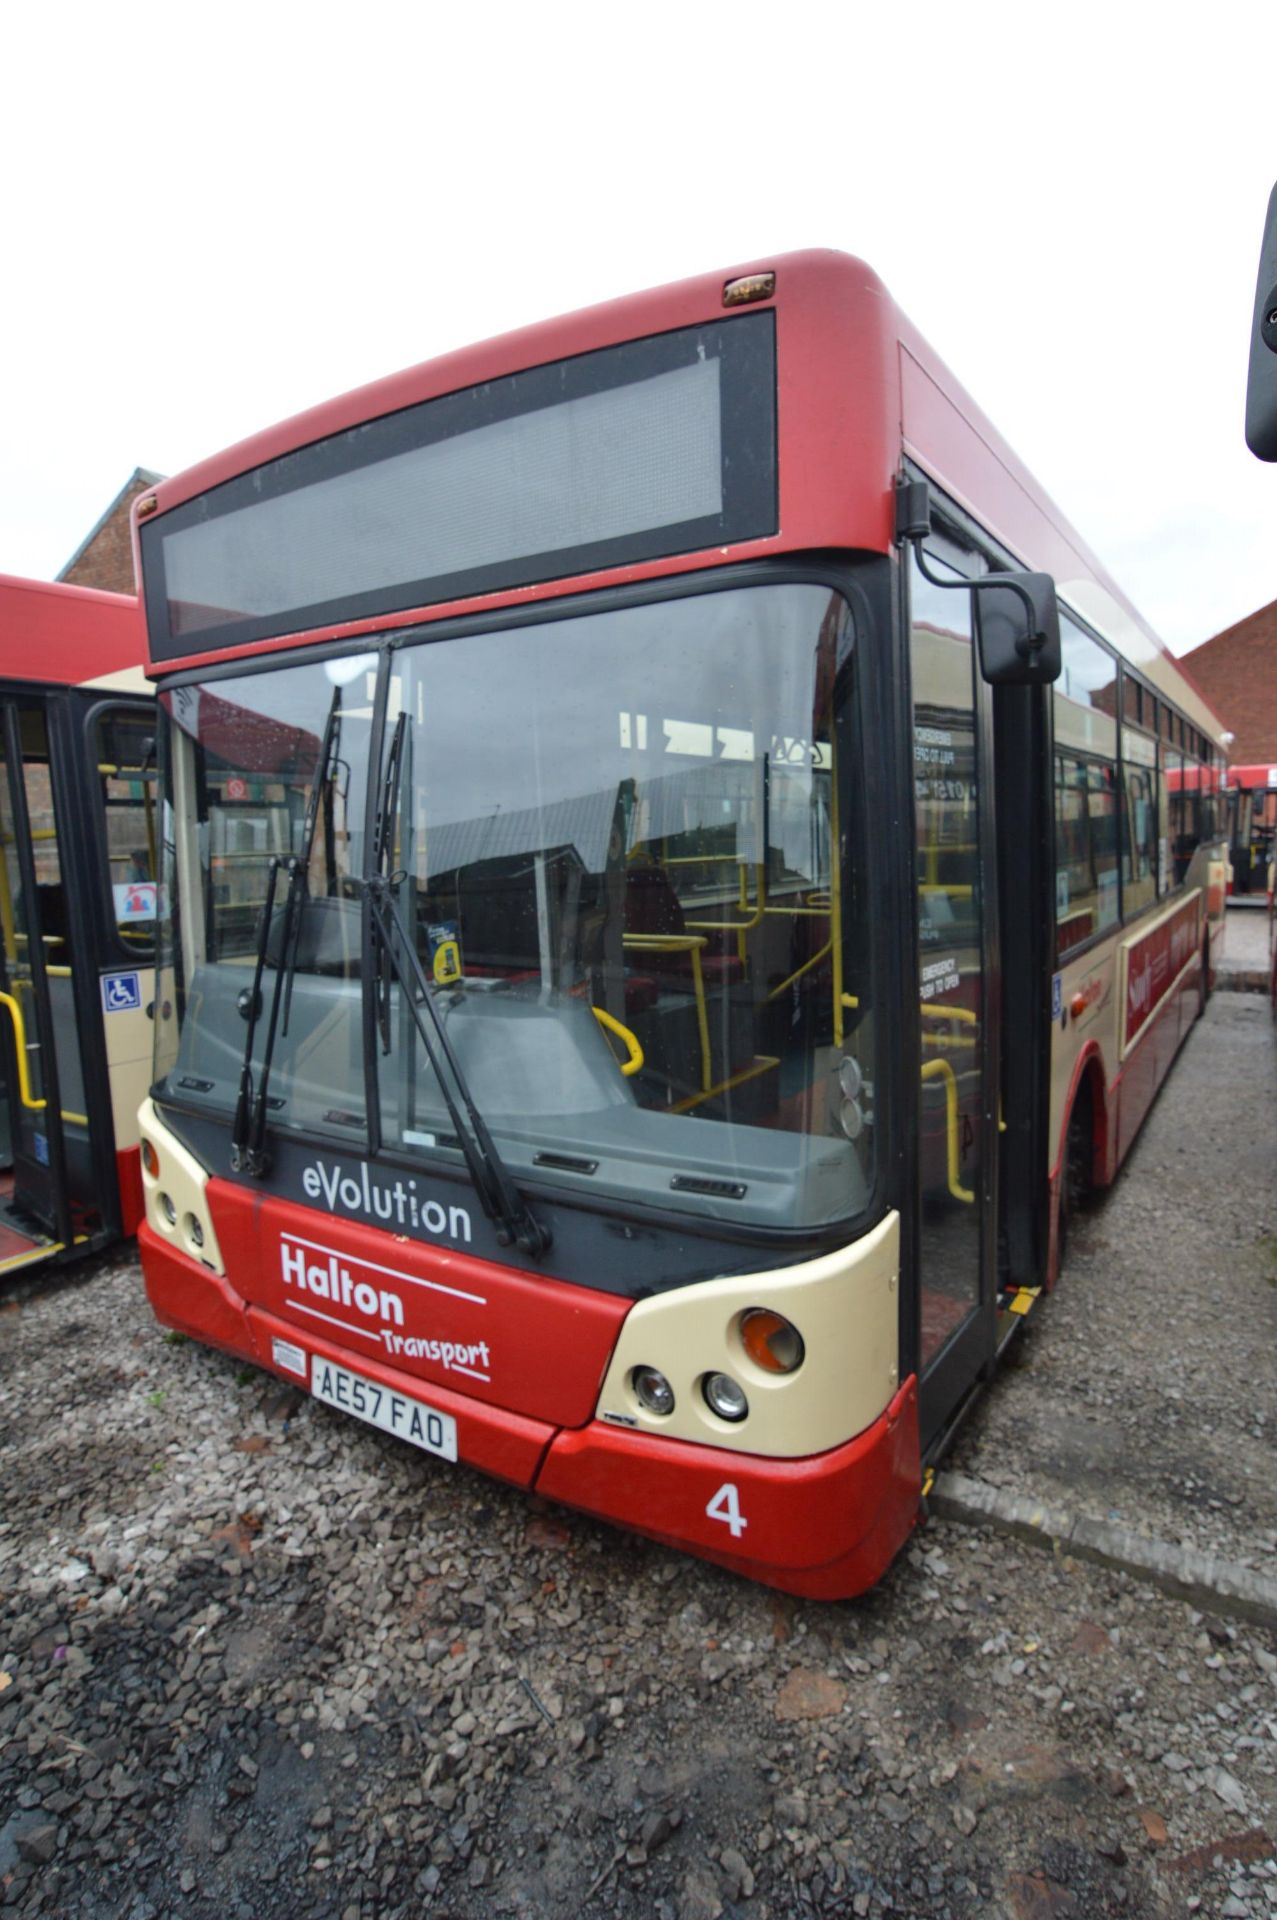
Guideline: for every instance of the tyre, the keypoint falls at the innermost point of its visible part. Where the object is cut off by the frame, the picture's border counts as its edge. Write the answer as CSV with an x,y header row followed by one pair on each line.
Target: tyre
x,y
1075,1177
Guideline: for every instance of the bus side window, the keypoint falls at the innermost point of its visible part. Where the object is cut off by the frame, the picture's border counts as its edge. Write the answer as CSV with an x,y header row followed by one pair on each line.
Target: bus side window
x,y
1140,824
1086,860
123,745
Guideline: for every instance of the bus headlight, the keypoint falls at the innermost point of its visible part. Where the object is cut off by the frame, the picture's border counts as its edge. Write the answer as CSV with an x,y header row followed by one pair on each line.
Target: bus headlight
x,y
724,1397
652,1390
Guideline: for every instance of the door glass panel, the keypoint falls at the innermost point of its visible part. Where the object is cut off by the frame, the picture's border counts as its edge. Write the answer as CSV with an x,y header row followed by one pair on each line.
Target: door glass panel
x,y
124,746
950,969
30,1140
34,914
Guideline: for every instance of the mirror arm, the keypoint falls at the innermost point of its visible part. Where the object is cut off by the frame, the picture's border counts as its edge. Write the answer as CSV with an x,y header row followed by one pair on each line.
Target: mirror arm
x,y
1030,643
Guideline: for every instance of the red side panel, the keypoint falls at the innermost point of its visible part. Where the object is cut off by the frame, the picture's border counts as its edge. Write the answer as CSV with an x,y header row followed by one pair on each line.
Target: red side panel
x,y
514,1340
65,635
825,1527
187,1296
128,1171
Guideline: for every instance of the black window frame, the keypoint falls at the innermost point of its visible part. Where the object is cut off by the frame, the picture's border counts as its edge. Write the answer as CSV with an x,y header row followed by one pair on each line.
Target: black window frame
x,y
746,347
137,956
861,578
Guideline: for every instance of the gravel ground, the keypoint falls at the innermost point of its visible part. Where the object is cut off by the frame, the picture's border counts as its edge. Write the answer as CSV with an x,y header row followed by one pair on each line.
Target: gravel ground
x,y
1246,943
258,1661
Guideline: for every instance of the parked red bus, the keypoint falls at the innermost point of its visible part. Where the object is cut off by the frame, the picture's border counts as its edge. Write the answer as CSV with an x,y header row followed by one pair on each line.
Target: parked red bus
x,y
77,918
1252,828
677,871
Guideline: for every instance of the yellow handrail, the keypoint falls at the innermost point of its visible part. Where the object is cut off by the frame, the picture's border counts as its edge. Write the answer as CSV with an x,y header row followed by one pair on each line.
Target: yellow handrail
x,y
24,1079
629,1040
739,927
20,1046
941,1070
682,943
931,1011
798,972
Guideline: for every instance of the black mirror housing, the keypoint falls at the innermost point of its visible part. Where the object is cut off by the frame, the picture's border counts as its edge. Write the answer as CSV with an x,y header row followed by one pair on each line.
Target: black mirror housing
x,y
1261,384
1019,627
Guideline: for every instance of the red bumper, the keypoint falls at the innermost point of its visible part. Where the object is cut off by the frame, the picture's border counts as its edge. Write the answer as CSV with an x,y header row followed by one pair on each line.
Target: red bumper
x,y
826,1527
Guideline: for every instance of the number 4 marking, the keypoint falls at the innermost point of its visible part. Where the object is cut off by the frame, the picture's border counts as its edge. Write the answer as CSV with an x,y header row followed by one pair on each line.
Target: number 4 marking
x,y
725,1506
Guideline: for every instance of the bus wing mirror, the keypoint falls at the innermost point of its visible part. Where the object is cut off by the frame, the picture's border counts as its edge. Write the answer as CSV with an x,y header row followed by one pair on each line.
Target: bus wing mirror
x,y
1019,629
1261,384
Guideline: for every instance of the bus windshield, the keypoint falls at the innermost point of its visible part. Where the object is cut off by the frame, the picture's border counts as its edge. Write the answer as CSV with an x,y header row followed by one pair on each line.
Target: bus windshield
x,y
611,838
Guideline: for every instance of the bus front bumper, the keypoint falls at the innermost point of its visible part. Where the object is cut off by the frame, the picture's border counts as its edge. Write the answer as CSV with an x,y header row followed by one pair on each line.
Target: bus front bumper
x,y
824,1527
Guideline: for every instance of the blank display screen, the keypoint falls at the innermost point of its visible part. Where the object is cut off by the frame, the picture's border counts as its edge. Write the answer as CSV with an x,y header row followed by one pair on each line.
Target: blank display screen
x,y
659,446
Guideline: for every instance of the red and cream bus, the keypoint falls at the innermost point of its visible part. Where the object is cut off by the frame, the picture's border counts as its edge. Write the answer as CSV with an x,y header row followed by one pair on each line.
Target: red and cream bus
x,y
645,946
1252,829
78,833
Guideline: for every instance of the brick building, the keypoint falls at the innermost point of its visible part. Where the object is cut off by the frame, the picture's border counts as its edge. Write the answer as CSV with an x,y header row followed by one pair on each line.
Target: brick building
x,y
104,558
1237,671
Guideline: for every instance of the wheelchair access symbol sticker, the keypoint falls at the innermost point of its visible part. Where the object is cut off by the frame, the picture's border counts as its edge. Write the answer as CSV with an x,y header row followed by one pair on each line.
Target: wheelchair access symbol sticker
x,y
121,993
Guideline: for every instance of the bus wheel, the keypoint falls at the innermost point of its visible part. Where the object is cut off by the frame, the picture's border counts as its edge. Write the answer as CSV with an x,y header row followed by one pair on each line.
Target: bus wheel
x,y
1203,985
1075,1177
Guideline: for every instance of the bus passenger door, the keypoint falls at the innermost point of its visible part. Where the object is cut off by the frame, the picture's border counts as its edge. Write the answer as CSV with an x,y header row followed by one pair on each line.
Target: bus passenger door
x,y
957,1064
44,1081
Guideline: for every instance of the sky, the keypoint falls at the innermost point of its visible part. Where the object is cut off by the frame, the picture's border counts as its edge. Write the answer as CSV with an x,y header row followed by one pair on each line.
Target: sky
x,y
215,217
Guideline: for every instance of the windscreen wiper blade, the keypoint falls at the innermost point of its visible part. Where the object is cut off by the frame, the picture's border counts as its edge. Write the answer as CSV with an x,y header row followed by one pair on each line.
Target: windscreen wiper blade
x,y
248,1133
325,766
382,863
250,1006
253,1158
500,1198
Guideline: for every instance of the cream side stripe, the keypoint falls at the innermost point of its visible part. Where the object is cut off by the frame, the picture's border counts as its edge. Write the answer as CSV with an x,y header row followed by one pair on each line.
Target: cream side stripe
x,y
123,680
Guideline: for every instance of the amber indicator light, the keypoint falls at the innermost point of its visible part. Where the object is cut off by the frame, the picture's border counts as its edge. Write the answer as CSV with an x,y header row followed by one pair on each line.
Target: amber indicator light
x,y
148,506
771,1342
150,1159
750,286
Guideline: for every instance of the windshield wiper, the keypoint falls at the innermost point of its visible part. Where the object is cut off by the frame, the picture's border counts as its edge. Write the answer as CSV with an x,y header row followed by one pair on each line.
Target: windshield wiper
x,y
500,1197
382,863
325,769
248,1130
393,951
250,1004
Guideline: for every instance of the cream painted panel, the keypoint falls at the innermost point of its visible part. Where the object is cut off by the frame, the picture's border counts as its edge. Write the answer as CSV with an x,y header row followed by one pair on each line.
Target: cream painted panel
x,y
845,1305
129,1039
124,680
1098,979
1093,979
185,1182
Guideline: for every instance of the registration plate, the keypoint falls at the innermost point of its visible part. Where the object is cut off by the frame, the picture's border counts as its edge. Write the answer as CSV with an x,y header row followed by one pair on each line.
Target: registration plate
x,y
395,1413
